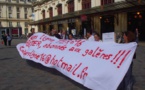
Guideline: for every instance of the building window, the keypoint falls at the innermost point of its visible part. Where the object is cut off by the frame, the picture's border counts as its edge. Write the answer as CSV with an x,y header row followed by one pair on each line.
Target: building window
x,y
104,2
71,6
0,8
29,0
10,15
50,12
86,4
25,10
59,9
43,14
17,1
0,24
25,16
9,0
10,24
32,9
18,24
18,9
18,15
10,9
26,24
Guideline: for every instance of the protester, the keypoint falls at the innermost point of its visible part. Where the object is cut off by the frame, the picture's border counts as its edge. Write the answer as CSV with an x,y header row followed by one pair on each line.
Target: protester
x,y
64,35
32,32
97,37
136,34
70,36
55,33
4,38
90,37
9,39
127,82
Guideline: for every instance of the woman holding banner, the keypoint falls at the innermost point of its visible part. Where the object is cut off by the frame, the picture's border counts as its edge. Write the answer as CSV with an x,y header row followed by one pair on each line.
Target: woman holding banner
x,y
97,37
127,82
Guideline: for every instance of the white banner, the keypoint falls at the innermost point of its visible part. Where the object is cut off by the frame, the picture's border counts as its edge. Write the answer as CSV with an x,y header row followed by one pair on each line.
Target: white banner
x,y
96,65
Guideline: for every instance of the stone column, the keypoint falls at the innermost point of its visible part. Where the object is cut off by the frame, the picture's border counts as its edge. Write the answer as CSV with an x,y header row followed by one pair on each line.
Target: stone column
x,y
55,26
78,24
97,24
120,22
65,25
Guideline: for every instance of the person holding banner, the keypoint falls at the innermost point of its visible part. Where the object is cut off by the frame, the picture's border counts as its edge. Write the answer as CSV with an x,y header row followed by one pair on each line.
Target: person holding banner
x,y
90,37
97,37
70,36
55,34
127,82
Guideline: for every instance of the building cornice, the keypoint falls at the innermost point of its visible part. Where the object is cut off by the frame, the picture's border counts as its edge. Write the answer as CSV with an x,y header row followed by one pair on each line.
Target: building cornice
x,y
15,4
15,19
40,2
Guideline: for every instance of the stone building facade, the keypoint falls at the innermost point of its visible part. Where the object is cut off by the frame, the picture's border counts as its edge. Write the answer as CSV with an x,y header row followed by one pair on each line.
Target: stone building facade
x,y
14,16
95,15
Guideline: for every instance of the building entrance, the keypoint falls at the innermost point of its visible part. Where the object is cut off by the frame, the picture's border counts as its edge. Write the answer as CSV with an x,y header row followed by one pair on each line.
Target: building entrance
x,y
137,20
107,24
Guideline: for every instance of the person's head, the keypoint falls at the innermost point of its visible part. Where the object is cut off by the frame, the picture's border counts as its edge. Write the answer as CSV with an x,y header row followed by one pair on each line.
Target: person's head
x,y
89,33
63,32
8,34
53,31
128,36
32,30
70,36
97,37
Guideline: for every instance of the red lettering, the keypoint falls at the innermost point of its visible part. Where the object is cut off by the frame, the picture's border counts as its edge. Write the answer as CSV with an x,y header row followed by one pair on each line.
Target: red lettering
x,y
123,59
119,56
77,50
83,73
72,49
69,68
60,61
48,57
116,55
76,68
86,52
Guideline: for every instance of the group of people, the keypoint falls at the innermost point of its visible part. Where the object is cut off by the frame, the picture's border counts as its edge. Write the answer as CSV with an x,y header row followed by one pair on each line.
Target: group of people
x,y
70,36
127,37
61,35
6,39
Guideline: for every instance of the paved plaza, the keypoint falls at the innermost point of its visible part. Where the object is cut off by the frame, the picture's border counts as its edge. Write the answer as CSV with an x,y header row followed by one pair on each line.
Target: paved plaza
x,y
17,74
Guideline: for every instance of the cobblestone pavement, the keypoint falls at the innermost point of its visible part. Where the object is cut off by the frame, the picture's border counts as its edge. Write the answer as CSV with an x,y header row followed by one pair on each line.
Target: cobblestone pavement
x,y
17,74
